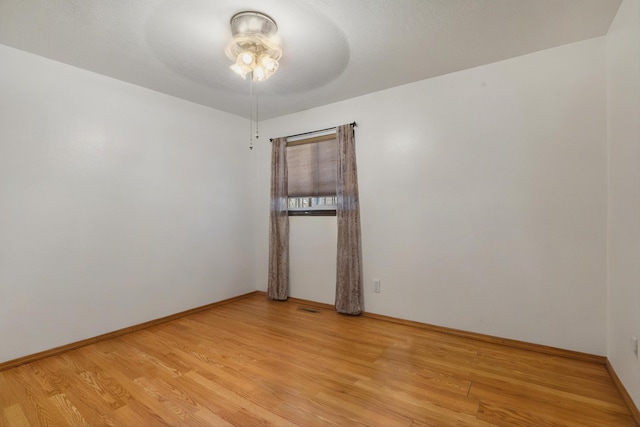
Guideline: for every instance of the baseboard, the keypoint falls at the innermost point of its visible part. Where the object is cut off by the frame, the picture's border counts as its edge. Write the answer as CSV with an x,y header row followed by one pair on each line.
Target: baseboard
x,y
72,346
623,392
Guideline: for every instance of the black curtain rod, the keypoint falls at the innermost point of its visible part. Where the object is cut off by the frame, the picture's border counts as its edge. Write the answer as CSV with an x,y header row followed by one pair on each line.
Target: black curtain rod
x,y
354,124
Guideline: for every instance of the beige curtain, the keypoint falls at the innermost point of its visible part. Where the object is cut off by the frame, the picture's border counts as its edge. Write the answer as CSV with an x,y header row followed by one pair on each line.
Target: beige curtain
x,y
278,285
349,290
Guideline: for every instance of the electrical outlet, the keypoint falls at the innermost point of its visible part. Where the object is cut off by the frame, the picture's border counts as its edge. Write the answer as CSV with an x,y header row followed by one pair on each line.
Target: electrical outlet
x,y
634,343
376,286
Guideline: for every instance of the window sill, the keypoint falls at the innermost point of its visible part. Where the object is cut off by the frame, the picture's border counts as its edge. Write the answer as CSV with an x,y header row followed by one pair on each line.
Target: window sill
x,y
312,212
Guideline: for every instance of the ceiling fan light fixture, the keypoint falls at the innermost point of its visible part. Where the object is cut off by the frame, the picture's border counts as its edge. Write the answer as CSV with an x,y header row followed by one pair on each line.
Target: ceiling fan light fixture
x,y
255,47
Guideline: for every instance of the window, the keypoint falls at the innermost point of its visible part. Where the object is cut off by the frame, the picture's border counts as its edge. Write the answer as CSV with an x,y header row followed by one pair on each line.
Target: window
x,y
312,169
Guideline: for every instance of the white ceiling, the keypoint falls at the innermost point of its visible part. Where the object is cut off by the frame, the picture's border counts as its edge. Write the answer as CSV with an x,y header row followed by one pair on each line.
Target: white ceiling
x,y
333,49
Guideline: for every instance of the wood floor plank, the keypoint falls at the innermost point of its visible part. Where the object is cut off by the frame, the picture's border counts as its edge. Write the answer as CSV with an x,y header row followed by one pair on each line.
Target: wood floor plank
x,y
603,398
256,362
529,369
443,410
7,399
361,410
508,416
15,416
37,399
240,403
174,408
521,404
35,410
68,410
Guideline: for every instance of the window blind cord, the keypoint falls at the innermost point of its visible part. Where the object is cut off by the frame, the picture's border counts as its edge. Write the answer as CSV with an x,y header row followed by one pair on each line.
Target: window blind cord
x,y
253,99
257,119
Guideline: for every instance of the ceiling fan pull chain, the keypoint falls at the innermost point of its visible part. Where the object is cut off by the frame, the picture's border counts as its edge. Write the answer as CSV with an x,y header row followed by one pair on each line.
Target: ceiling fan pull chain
x,y
257,117
251,111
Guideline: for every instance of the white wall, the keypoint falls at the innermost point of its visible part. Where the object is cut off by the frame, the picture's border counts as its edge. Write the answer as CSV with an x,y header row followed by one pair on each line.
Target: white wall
x,y
117,205
623,84
482,195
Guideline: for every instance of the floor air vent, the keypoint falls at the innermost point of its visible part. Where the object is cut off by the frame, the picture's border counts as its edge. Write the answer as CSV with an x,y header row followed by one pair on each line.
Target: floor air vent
x,y
308,309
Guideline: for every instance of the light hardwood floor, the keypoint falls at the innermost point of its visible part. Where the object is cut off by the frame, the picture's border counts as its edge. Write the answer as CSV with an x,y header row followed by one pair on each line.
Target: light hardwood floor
x,y
256,362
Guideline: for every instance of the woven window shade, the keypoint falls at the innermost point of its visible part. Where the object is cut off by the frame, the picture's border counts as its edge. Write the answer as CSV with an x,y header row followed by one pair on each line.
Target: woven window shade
x,y
313,169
